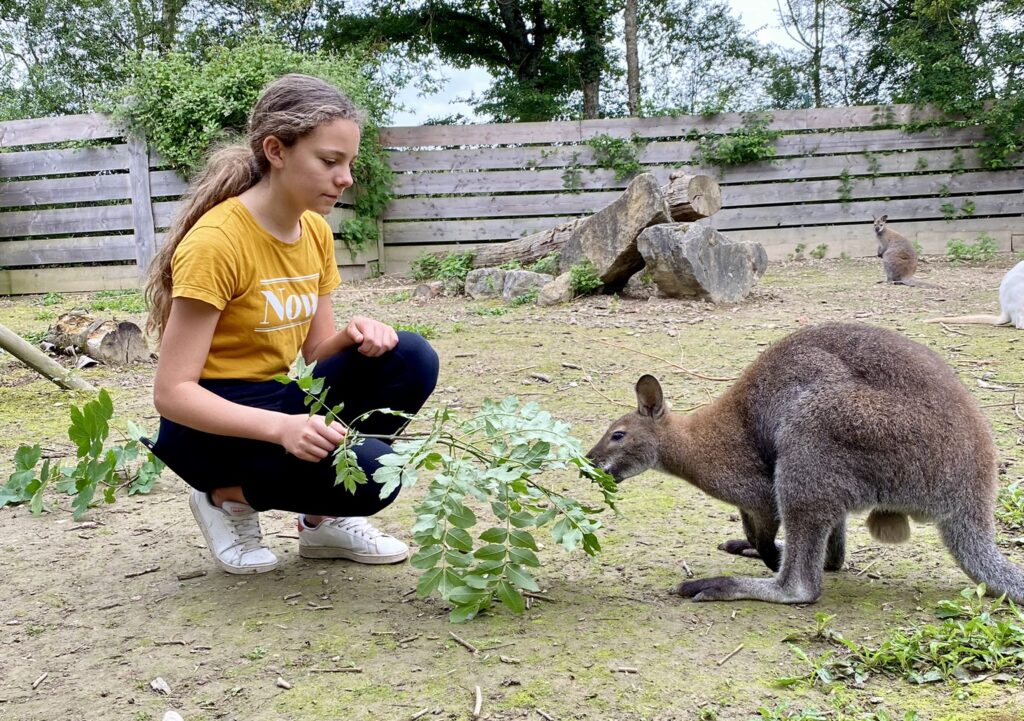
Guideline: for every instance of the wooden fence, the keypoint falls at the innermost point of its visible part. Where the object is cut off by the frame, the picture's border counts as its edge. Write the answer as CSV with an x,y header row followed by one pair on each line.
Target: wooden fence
x,y
83,206
835,167
89,217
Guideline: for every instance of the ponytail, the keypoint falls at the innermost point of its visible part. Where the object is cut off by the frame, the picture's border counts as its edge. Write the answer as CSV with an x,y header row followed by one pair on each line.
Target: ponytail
x,y
229,172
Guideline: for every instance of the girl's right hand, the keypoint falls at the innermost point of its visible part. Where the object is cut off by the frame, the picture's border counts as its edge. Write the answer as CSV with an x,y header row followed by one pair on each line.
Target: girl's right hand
x,y
310,437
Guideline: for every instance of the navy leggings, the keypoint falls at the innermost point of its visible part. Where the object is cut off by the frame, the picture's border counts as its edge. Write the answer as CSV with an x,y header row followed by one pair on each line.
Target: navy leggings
x,y
401,379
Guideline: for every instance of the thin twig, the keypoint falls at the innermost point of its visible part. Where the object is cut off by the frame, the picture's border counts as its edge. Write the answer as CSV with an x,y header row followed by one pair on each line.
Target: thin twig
x,y
143,572
350,669
862,571
546,717
610,400
686,569
695,374
478,704
464,643
734,652
951,330
627,669
419,714
39,680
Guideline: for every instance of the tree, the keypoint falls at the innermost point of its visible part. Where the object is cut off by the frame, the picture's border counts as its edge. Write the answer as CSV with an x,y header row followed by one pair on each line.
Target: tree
x,y
540,53
632,58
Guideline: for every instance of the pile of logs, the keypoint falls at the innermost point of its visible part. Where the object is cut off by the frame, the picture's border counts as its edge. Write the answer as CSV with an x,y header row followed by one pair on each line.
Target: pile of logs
x,y
648,227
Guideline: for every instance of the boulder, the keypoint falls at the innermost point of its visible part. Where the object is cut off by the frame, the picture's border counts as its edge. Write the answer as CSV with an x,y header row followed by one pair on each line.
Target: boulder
x,y
521,282
694,260
557,291
485,283
426,291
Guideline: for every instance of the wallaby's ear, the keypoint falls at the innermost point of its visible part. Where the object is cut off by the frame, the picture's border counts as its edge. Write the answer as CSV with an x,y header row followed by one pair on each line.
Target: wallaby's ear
x,y
884,218
649,399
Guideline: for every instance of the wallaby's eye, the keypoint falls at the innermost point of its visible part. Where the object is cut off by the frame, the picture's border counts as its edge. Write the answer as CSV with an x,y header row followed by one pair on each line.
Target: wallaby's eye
x,y
618,435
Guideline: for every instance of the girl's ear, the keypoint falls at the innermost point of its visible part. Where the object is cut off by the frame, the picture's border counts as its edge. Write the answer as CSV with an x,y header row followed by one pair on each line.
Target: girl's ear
x,y
273,148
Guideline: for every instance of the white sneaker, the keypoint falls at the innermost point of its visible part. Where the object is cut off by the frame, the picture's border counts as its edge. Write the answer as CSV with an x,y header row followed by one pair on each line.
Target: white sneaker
x,y
233,534
350,537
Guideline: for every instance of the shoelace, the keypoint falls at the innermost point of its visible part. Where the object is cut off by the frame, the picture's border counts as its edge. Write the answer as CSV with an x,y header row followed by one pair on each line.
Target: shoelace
x,y
355,524
247,530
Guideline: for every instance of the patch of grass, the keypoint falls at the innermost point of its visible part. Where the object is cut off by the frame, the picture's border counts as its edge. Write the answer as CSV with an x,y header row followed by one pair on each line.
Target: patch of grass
x,y
527,298
256,654
397,297
427,331
424,266
548,264
126,301
1010,506
52,299
820,251
490,311
45,315
982,249
974,636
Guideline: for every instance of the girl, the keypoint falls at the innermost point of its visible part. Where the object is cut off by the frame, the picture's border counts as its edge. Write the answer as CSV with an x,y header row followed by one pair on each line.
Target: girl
x,y
240,285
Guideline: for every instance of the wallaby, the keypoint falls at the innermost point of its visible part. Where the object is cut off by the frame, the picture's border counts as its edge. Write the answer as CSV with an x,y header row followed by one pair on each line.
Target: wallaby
x,y
899,259
1011,303
833,419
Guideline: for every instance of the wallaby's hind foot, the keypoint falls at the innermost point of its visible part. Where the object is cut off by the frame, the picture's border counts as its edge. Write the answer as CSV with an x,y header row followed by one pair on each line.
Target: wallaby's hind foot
x,y
742,547
736,588
888,527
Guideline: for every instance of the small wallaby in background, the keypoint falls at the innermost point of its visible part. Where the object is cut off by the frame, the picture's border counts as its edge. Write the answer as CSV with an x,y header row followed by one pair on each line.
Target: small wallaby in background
x,y
899,259
833,419
1011,303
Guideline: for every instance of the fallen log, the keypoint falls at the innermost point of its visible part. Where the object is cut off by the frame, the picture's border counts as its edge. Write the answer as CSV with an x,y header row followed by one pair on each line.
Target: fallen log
x,y
692,197
40,362
108,341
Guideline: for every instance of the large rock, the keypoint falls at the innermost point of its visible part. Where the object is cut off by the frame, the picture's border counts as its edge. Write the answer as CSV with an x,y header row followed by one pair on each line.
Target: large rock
x,y
687,260
485,283
521,282
608,237
557,291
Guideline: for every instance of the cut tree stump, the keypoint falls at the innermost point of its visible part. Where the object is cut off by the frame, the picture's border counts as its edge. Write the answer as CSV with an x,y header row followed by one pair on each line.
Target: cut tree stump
x,y
40,362
692,197
108,341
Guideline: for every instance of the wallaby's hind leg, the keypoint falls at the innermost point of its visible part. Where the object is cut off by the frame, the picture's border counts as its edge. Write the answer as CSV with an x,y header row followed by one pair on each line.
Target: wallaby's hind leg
x,y
835,552
760,530
970,536
799,581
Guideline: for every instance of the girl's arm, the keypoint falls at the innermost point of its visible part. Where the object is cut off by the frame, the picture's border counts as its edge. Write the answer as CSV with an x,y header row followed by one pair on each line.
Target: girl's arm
x,y
373,337
178,396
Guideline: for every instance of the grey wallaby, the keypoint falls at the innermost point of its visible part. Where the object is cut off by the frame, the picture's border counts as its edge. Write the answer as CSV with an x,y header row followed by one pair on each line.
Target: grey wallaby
x,y
833,419
899,259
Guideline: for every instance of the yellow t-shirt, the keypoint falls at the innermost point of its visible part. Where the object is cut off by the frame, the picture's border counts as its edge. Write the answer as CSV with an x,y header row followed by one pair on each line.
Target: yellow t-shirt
x,y
266,290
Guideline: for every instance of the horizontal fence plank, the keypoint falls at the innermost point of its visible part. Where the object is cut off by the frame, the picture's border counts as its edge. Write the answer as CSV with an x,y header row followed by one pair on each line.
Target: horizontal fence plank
x,y
678,151
498,206
778,216
99,218
938,185
65,161
53,251
665,126
76,279
461,231
167,183
36,131
79,189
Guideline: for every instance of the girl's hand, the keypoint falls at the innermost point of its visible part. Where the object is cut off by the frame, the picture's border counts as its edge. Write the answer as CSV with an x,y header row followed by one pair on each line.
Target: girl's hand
x,y
310,437
373,337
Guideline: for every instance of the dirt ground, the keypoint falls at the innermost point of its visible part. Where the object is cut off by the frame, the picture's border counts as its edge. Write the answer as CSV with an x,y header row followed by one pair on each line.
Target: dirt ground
x,y
83,635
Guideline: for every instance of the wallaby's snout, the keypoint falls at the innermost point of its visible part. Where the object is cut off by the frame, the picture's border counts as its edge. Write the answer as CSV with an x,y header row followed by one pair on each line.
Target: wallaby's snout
x,y
630,445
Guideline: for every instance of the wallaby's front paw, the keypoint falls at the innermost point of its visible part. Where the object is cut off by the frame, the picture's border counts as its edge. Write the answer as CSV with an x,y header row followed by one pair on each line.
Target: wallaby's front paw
x,y
739,547
720,588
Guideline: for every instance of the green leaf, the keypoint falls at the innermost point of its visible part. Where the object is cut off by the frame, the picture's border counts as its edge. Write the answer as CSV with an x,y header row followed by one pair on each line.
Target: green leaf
x,y
524,556
522,539
449,582
428,582
466,595
493,552
461,614
523,519
459,539
426,557
494,535
508,595
26,457
462,517
458,559
520,578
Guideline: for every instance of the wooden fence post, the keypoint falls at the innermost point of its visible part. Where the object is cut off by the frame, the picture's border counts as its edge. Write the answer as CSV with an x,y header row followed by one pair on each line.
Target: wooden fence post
x,y
142,203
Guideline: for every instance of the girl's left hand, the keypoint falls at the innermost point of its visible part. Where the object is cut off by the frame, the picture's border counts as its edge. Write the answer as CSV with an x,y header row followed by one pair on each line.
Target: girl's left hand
x,y
373,337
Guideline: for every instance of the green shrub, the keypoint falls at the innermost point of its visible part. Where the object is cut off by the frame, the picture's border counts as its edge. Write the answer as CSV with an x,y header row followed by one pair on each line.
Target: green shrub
x,y
527,298
548,264
455,266
983,249
618,154
820,251
752,143
583,278
425,266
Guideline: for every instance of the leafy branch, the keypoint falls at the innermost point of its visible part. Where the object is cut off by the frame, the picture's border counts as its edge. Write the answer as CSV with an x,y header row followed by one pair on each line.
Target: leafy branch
x,y
496,458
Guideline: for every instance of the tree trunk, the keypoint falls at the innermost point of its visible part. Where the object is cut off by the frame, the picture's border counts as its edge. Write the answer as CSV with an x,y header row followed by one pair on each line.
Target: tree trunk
x,y
528,249
108,341
632,60
692,197
40,362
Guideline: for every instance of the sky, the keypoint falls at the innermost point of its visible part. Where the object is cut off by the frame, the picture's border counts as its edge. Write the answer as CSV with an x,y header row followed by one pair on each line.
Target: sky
x,y
757,15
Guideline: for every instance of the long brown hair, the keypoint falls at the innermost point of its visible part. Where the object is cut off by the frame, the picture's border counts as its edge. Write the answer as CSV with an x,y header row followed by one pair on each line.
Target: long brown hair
x,y
289,108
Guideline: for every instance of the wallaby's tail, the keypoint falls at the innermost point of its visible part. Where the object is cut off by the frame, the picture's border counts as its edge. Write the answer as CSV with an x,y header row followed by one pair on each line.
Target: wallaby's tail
x,y
917,283
888,527
972,541
969,320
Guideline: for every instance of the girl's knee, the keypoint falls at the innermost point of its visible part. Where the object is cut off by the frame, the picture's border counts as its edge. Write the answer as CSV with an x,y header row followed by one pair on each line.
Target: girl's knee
x,y
419,356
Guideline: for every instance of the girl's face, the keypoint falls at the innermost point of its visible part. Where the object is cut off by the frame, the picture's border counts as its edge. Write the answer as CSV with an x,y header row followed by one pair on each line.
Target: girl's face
x,y
318,167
